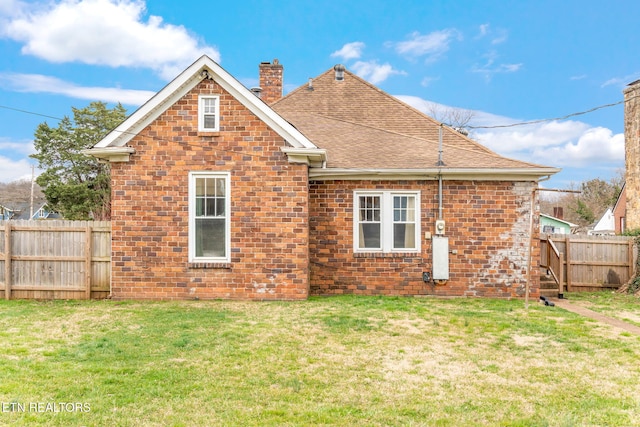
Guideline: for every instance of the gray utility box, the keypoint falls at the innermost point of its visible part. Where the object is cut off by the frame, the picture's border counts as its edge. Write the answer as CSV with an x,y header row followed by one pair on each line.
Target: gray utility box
x,y
440,258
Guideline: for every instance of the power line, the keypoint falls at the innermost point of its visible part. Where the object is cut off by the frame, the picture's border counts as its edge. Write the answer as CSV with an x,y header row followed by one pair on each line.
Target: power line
x,y
549,120
30,112
531,122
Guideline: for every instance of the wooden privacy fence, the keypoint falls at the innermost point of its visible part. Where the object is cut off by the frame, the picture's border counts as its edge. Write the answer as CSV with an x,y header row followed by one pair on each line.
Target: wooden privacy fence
x,y
55,259
588,263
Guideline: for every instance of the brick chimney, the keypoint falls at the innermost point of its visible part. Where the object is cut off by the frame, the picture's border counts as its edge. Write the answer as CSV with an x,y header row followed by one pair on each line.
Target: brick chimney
x,y
632,153
271,81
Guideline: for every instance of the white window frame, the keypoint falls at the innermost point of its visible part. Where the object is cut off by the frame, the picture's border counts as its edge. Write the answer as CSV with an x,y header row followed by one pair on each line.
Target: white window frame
x,y
386,220
193,176
202,113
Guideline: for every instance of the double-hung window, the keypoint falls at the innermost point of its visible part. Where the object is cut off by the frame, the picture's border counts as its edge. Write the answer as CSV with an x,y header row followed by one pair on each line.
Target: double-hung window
x,y
208,113
386,221
209,217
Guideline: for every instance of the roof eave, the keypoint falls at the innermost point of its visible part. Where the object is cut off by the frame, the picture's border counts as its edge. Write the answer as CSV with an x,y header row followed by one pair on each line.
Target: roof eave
x,y
512,174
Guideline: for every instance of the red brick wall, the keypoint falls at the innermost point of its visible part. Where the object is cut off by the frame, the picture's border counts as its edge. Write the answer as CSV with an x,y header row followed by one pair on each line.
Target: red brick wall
x,y
487,224
269,209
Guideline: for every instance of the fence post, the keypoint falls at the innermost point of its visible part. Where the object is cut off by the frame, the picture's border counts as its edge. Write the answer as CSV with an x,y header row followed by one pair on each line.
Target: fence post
x,y
632,265
7,260
567,250
88,250
561,277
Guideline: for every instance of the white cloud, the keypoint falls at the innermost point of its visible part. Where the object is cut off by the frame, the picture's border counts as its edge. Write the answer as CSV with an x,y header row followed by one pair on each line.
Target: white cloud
x,y
349,51
596,146
557,143
528,138
489,68
11,7
496,36
105,32
36,83
373,72
432,45
14,161
14,170
621,81
21,148
426,81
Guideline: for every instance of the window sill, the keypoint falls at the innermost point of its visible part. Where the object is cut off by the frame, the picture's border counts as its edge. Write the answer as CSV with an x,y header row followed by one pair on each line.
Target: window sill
x,y
208,133
209,265
387,255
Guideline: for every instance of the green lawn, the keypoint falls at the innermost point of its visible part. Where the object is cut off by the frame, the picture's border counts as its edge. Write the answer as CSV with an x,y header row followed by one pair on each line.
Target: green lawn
x,y
361,361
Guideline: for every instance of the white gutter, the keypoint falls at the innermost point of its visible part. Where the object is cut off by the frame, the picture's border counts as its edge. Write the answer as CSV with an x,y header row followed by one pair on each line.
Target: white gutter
x,y
528,174
110,154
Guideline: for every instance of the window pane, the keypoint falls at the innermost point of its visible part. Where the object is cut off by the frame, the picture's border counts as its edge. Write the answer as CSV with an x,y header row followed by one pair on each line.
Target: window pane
x,y
370,236
219,187
411,209
200,186
200,207
210,187
209,105
209,121
210,237
404,236
211,207
219,207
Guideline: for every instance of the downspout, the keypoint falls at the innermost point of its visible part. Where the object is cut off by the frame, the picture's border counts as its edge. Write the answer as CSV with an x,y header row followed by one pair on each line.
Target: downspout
x,y
440,164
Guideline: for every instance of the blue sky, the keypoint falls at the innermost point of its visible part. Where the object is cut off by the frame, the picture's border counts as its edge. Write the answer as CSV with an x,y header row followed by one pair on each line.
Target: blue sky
x,y
507,62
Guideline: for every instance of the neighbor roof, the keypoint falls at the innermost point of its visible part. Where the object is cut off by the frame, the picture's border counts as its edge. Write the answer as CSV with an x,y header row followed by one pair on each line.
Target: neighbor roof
x,y
367,131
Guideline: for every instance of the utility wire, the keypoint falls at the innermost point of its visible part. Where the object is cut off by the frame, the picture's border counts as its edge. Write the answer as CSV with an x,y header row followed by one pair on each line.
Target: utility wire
x,y
30,112
468,127
548,120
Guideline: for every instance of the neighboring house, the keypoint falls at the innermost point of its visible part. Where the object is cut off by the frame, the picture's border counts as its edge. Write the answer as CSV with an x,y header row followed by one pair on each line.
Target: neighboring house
x,y
22,212
5,213
336,188
620,211
605,225
553,225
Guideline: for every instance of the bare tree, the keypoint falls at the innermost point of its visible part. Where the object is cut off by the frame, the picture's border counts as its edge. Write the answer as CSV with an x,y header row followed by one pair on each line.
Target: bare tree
x,y
457,118
19,192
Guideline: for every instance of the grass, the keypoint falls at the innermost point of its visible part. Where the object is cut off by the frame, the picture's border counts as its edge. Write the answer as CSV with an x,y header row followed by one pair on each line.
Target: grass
x,y
327,361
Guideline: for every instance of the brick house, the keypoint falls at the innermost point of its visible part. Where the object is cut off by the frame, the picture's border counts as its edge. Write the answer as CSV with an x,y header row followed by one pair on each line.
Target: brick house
x,y
219,191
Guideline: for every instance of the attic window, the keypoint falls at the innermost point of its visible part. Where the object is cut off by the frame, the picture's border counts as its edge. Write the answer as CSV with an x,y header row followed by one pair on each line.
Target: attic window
x,y
208,113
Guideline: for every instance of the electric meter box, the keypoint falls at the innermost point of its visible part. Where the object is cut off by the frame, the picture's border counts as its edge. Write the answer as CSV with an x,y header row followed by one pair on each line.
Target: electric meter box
x,y
440,258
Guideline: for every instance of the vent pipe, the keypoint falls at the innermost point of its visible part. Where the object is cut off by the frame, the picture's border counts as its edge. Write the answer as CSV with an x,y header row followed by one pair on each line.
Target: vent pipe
x,y
339,69
257,91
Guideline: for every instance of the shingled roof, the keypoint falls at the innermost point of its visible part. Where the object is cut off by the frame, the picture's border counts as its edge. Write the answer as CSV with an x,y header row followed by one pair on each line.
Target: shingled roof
x,y
363,128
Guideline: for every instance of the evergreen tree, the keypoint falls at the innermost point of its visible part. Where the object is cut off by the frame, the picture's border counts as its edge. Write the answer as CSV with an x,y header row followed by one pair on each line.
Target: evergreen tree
x,y
76,185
